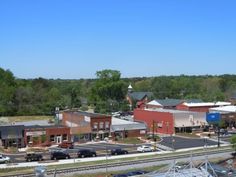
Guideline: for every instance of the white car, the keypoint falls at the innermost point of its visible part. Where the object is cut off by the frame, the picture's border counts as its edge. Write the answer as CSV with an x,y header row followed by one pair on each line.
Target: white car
x,y
145,149
4,159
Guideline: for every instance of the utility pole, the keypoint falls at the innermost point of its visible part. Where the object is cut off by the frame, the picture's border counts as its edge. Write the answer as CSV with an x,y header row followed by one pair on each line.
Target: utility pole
x,y
218,135
153,128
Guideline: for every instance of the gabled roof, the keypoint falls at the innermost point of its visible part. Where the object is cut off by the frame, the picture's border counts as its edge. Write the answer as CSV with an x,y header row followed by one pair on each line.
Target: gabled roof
x,y
139,95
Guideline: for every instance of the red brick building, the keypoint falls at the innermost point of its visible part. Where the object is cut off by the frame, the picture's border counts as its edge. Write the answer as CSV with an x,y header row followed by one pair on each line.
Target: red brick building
x,y
138,99
169,121
46,135
87,126
163,120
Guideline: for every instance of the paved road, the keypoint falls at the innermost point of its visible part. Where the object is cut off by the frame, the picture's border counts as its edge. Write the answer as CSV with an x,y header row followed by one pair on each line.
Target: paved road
x,y
100,148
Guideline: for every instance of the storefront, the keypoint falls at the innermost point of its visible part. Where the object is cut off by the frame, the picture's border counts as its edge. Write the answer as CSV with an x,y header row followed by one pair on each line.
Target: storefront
x,y
12,136
46,135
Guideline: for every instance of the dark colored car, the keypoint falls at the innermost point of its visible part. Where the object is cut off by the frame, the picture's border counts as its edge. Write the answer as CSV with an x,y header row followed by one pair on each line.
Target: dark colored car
x,y
69,145
138,172
33,157
59,155
86,153
132,173
120,175
118,151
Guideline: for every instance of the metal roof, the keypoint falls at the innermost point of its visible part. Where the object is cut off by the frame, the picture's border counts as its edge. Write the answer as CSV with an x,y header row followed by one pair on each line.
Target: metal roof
x,y
89,114
172,102
219,103
226,109
167,110
121,125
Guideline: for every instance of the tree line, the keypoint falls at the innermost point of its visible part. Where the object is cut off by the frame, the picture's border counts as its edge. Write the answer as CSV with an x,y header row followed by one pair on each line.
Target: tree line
x,y
106,93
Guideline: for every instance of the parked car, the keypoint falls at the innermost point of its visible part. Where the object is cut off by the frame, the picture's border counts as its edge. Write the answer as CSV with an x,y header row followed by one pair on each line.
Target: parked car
x,y
86,153
137,172
118,151
145,149
132,173
69,145
4,159
33,157
55,155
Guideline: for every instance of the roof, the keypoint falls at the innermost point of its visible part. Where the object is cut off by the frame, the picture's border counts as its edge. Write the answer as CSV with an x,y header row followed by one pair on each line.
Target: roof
x,y
226,109
167,110
44,126
172,102
88,114
34,122
219,103
139,95
121,125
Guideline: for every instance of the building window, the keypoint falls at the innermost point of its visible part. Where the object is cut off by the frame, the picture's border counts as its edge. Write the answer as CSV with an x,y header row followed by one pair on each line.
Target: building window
x,y
101,125
28,139
95,125
64,137
52,138
107,124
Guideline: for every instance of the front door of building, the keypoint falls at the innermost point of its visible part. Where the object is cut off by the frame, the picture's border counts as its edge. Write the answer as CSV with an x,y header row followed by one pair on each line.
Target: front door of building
x,y
59,139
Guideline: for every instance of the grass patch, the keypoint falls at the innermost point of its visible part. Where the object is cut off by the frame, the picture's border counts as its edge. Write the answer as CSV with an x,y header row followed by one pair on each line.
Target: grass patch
x,y
131,140
111,173
28,118
13,171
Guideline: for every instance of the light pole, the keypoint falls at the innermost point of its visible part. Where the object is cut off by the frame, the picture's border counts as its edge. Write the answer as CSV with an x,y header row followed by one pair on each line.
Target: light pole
x,y
106,160
173,141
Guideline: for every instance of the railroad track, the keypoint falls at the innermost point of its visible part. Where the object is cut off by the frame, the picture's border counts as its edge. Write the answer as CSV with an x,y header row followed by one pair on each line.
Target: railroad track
x,y
124,163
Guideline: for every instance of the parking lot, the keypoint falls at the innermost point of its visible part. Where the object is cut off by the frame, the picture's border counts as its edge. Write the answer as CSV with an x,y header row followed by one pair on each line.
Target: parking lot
x,y
181,143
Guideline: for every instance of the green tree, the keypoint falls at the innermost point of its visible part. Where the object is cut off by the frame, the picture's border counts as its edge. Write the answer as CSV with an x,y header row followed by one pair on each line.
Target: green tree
x,y
108,86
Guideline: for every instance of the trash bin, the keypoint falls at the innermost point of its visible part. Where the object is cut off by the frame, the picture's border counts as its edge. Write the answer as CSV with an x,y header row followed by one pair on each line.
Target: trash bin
x,y
40,171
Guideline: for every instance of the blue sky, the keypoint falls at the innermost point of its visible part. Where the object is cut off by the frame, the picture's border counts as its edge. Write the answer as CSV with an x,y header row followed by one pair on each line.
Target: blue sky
x,y
74,39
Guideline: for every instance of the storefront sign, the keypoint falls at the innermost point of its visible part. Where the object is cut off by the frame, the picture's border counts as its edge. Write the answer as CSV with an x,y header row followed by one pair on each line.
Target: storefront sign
x,y
36,133
142,132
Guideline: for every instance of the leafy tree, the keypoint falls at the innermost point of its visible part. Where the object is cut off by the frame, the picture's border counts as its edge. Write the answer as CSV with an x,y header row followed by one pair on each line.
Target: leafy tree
x,y
108,86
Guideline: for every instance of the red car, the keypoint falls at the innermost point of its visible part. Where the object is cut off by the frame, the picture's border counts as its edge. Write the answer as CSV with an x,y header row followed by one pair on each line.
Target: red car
x,y
69,145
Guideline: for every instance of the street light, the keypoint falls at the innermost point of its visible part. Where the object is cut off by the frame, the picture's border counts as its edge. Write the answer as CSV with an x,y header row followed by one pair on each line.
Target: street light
x,y
106,159
173,141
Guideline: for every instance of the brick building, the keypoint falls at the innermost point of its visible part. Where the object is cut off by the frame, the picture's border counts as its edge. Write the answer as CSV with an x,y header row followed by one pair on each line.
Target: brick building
x,y
87,126
46,135
169,121
138,99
